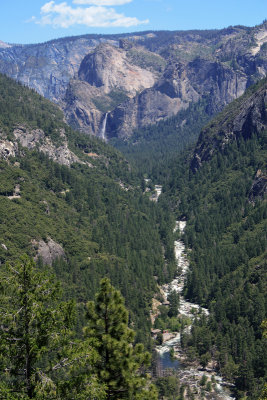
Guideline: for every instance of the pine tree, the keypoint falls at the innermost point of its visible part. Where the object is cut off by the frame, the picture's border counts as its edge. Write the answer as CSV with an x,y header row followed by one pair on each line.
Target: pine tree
x,y
174,300
121,366
38,352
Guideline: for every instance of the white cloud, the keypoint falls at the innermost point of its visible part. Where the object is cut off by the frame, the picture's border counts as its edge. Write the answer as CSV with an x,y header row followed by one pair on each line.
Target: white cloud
x,y
32,19
62,15
103,2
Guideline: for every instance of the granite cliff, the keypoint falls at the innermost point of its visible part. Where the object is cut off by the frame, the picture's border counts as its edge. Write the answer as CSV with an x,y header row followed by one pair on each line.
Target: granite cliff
x,y
240,119
140,78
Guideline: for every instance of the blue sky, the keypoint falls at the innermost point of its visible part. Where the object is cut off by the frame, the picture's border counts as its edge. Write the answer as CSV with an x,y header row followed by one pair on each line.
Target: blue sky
x,y
33,21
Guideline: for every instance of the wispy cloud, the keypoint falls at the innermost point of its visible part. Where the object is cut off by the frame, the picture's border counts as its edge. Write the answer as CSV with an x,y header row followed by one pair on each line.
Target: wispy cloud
x,y
63,15
103,2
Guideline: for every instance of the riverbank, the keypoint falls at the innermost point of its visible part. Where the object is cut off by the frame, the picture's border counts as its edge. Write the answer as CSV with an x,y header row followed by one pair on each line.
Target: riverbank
x,y
199,383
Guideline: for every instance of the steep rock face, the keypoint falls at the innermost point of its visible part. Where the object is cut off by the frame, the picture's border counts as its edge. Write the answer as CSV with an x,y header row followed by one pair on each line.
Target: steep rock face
x,y
221,77
79,107
105,79
175,82
242,118
108,68
216,80
180,84
147,108
91,75
46,67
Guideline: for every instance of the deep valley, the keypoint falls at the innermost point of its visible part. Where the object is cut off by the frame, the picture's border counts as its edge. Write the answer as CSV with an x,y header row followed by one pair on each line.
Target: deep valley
x,y
106,141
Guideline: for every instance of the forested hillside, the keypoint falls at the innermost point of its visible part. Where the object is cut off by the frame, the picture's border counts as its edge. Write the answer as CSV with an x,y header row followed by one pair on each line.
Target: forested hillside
x,y
87,218
153,147
76,204
221,191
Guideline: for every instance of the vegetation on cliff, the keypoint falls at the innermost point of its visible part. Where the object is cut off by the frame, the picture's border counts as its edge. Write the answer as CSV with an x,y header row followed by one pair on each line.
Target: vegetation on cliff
x,y
225,207
94,210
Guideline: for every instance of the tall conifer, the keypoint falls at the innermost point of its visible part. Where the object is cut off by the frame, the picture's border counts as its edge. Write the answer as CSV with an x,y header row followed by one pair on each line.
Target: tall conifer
x,y
122,366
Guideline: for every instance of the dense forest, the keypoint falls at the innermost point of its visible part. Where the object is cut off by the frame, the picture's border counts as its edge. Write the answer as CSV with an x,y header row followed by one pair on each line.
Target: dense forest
x,y
152,148
41,356
96,213
225,208
224,204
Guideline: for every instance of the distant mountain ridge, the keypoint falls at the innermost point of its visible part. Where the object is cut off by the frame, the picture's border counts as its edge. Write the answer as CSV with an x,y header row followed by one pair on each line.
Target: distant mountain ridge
x,y
174,69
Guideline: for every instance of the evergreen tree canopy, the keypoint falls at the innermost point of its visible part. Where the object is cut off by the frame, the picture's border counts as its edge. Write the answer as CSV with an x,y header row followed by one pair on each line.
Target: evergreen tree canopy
x,y
174,300
121,366
224,203
37,347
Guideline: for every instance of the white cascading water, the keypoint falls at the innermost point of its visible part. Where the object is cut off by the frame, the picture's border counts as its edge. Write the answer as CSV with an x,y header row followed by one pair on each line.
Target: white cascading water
x,y
188,309
103,127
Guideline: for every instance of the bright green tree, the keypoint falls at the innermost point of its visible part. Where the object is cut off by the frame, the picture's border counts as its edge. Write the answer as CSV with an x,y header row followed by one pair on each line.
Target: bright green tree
x,y
121,366
38,353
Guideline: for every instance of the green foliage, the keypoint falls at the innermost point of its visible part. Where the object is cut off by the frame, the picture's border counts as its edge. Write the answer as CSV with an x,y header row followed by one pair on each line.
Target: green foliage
x,y
203,380
117,96
174,299
121,366
174,324
263,395
101,227
22,106
146,59
168,387
36,340
97,213
151,149
110,101
209,386
226,230
41,358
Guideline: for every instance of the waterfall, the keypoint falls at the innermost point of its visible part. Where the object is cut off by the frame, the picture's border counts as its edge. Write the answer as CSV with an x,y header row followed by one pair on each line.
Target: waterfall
x,y
103,127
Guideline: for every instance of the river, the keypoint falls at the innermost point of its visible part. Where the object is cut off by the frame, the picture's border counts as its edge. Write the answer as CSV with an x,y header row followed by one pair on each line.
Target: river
x,y
190,376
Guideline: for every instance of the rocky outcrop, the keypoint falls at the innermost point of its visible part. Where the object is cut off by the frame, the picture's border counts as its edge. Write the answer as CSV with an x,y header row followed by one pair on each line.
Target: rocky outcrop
x,y
106,79
79,107
48,251
219,68
259,186
7,149
37,138
242,118
47,67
